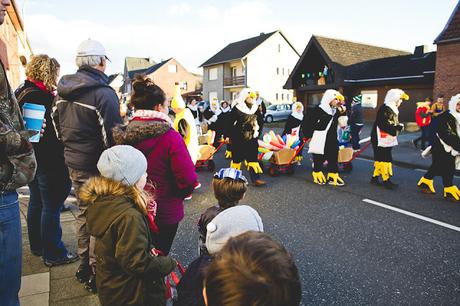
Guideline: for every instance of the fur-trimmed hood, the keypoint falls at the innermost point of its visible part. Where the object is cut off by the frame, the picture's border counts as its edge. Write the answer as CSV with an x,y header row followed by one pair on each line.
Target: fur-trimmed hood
x,y
138,130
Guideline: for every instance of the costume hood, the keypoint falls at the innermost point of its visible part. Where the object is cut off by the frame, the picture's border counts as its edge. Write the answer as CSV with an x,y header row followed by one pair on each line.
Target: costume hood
x,y
328,96
394,95
297,114
177,102
240,103
453,107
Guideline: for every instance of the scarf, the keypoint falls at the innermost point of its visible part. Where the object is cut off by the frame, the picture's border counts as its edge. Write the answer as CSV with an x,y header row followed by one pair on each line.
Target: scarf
x,y
145,114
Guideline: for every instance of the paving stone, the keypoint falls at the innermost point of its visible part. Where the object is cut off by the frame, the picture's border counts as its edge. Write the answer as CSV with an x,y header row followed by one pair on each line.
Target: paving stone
x,y
66,288
35,284
64,271
32,264
35,300
89,300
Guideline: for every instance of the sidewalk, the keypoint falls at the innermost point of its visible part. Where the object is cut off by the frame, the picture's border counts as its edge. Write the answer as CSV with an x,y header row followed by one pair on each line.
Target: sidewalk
x,y
57,286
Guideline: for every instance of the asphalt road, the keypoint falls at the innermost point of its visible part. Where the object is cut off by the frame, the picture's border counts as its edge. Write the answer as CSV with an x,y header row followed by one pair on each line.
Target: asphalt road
x,y
349,251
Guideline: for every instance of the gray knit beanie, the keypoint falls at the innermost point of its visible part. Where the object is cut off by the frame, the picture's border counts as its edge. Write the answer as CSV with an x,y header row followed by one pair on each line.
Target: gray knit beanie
x,y
230,223
124,164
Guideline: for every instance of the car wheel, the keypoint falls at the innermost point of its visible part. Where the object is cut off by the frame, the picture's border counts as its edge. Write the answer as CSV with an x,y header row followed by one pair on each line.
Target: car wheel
x,y
269,119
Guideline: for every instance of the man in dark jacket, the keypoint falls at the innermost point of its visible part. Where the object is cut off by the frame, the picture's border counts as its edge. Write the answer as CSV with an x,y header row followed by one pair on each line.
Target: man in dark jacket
x,y
17,168
356,120
84,114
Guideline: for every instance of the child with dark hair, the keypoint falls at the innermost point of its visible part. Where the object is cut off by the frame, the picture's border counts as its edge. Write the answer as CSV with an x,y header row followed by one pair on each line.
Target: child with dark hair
x,y
229,186
252,269
229,223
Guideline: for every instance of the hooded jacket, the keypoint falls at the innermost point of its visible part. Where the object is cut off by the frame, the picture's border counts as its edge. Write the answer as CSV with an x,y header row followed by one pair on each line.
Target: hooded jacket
x,y
169,165
127,273
84,114
448,136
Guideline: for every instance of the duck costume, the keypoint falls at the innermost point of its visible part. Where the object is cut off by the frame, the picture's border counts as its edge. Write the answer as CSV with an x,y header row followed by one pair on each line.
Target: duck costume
x,y
244,134
184,123
445,151
384,137
320,125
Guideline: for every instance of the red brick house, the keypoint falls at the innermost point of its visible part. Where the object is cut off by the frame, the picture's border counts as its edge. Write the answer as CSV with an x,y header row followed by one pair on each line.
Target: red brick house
x,y
165,74
15,50
356,68
447,79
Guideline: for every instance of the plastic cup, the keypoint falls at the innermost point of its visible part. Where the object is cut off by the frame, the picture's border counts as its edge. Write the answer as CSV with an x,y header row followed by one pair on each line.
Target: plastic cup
x,y
33,115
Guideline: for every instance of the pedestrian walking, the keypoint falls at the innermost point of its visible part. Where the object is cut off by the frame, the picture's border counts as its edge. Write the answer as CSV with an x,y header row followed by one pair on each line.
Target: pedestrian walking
x,y
445,151
128,272
51,184
384,137
321,127
356,121
170,167
423,120
437,109
17,169
84,114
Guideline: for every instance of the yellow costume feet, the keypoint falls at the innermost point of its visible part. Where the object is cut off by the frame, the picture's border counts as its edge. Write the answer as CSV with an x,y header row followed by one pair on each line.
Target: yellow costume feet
x,y
234,165
335,179
377,169
228,154
386,170
254,166
452,192
319,178
426,185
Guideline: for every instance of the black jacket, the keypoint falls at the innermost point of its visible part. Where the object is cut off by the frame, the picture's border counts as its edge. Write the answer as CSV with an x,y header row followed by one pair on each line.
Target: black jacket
x,y
317,120
84,114
447,131
356,114
190,288
291,123
49,151
387,121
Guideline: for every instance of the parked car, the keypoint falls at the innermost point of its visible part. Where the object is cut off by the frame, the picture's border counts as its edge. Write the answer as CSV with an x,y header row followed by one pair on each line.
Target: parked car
x,y
276,112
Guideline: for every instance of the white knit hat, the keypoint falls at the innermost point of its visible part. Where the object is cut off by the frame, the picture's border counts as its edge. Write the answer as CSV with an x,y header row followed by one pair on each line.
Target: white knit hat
x,y
230,223
122,163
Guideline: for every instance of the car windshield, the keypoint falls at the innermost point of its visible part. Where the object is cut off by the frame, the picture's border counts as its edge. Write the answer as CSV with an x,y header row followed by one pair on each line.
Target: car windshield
x,y
272,107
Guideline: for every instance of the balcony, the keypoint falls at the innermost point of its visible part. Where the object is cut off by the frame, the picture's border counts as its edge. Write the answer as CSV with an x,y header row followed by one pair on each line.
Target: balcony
x,y
234,81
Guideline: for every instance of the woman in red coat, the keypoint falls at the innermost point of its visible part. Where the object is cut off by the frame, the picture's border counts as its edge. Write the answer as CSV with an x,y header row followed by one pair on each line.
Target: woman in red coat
x,y
170,168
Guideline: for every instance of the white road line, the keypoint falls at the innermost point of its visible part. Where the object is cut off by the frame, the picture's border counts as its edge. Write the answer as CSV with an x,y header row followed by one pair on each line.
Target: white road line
x,y
420,170
410,214
364,159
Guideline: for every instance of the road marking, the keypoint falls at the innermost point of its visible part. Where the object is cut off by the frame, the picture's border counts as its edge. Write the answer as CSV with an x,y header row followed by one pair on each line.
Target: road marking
x,y
410,214
420,170
364,159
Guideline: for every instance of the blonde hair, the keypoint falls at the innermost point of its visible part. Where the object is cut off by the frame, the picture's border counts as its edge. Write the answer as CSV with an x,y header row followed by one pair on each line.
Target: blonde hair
x,y
101,186
45,69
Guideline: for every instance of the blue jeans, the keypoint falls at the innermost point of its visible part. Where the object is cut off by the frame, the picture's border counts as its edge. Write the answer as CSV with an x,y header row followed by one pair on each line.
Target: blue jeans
x,y
355,129
10,249
48,191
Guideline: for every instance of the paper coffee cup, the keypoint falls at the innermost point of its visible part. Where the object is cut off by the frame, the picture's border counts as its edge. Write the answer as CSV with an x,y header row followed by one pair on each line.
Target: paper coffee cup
x,y
33,115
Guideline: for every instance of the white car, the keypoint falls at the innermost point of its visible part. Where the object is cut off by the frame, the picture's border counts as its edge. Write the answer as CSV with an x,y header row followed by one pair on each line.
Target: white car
x,y
277,112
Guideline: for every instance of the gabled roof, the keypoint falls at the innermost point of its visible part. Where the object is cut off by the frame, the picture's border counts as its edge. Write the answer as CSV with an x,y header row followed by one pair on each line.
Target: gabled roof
x,y
347,53
451,31
240,49
155,67
390,69
136,65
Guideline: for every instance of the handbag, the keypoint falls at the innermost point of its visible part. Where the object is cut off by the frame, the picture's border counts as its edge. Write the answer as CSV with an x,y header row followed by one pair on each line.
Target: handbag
x,y
318,140
386,140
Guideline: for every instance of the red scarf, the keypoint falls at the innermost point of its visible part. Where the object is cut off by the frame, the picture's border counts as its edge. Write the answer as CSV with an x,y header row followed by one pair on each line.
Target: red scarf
x,y
41,86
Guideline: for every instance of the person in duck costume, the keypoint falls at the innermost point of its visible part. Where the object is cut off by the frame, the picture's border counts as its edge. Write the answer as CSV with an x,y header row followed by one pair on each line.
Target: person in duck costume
x,y
384,137
445,152
184,123
320,126
244,134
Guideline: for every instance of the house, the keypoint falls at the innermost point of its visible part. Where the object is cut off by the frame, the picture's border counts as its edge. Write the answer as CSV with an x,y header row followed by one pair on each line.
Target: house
x,y
133,66
165,74
15,50
116,82
262,63
356,68
447,78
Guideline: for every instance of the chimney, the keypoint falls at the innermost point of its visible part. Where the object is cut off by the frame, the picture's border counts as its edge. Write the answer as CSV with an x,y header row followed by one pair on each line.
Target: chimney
x,y
421,50
262,33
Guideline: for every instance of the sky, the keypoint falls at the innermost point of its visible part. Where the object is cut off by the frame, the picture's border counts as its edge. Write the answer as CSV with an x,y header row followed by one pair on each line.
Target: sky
x,y
193,31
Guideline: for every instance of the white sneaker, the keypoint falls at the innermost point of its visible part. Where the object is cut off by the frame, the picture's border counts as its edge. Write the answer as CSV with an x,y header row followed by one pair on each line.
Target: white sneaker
x,y
188,198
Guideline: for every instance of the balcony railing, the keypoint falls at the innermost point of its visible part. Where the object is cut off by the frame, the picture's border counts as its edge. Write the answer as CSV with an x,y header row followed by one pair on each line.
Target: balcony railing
x,y
234,81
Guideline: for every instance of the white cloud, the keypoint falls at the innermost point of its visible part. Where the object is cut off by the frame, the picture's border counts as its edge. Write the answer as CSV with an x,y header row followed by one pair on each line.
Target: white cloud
x,y
179,9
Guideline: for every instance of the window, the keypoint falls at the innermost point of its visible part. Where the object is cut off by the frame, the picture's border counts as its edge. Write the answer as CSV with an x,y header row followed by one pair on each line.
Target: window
x,y
282,96
369,99
213,74
287,97
183,85
233,71
283,71
212,95
234,95
172,68
277,71
279,48
276,97
272,107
